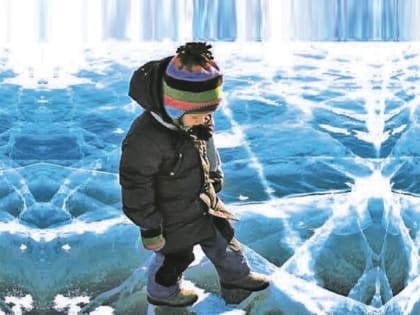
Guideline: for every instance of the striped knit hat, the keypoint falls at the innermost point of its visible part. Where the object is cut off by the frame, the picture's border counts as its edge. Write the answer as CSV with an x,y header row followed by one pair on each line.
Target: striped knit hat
x,y
192,81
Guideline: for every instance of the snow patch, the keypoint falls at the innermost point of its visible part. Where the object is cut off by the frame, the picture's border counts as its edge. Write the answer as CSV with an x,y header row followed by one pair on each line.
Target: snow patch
x,y
71,304
20,304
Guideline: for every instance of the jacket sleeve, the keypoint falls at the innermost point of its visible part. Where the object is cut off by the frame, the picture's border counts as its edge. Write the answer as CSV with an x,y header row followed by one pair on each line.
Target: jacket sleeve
x,y
216,173
139,165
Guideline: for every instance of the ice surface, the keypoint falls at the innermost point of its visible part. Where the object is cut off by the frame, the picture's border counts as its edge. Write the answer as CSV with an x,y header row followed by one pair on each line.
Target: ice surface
x,y
320,149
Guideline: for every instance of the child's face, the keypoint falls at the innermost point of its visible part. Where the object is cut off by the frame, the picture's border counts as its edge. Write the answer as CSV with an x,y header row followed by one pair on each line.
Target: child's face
x,y
194,119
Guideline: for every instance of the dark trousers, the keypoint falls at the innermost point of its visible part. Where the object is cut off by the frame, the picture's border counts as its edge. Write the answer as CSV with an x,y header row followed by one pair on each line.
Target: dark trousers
x,y
165,270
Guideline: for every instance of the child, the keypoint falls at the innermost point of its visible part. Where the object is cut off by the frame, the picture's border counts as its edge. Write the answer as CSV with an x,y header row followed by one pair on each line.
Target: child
x,y
170,175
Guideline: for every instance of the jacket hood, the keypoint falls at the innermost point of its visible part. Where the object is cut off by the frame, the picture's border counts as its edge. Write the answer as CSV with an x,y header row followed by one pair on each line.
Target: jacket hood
x,y
146,87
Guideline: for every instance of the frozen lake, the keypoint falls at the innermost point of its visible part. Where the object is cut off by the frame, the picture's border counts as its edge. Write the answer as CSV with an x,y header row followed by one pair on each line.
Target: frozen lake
x,y
320,149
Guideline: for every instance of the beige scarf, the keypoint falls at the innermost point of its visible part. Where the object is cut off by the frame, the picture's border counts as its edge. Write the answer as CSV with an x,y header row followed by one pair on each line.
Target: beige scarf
x,y
209,196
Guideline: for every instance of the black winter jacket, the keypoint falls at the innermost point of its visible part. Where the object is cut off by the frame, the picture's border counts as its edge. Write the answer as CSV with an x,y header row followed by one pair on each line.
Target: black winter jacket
x,y
160,170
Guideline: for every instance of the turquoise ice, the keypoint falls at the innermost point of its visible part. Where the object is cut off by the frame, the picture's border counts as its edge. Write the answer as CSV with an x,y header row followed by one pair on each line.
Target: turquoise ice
x,y
320,155
319,143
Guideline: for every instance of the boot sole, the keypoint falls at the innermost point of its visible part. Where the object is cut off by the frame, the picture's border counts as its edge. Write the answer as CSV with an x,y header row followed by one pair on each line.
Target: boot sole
x,y
162,303
229,286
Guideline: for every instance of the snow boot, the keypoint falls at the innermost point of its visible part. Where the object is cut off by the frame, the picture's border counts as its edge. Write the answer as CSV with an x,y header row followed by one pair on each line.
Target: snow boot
x,y
252,282
184,297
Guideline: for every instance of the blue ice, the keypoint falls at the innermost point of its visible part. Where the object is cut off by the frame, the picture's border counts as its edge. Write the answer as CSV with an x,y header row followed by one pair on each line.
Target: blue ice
x,y
320,155
319,143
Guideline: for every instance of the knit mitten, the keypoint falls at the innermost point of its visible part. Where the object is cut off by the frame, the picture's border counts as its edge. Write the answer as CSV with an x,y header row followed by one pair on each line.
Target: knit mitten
x,y
154,243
